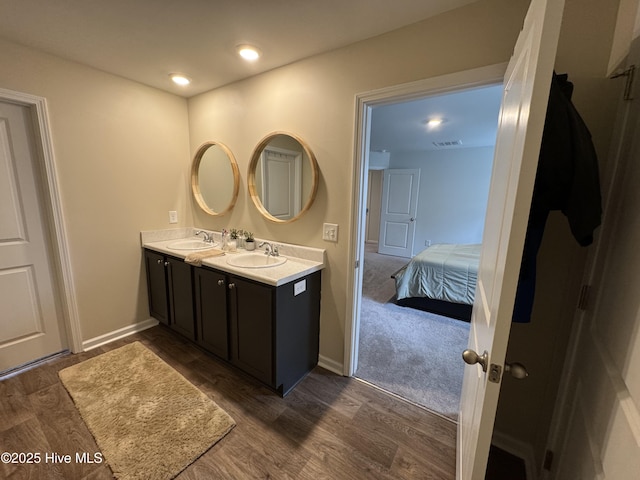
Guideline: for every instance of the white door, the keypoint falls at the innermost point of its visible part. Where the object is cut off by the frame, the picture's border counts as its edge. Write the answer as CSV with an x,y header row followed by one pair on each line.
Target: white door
x,y
526,91
281,182
31,324
399,210
600,419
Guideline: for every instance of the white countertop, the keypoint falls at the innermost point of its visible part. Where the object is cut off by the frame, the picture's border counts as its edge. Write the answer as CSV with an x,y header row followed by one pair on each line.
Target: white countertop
x,y
301,261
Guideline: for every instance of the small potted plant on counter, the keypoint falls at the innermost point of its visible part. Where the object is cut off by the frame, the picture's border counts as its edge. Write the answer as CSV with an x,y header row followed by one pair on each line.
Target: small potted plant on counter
x,y
249,241
233,239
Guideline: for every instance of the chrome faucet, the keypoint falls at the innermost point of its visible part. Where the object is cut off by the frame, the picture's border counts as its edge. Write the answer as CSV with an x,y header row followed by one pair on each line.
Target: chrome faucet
x,y
270,249
208,237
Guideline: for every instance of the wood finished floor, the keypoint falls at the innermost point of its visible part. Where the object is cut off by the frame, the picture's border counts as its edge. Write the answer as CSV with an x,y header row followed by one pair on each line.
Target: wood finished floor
x,y
329,427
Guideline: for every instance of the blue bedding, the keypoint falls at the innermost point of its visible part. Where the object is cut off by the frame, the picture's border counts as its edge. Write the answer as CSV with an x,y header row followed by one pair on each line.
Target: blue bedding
x,y
443,272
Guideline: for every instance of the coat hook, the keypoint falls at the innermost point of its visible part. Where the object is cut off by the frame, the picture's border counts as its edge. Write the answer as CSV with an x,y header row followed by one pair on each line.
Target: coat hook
x,y
629,73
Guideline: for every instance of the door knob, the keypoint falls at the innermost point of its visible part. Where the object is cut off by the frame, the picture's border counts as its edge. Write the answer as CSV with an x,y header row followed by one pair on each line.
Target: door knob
x,y
471,357
232,286
517,370
221,282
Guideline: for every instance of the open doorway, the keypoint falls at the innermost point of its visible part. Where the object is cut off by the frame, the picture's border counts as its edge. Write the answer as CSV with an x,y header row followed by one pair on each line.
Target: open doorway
x,y
427,175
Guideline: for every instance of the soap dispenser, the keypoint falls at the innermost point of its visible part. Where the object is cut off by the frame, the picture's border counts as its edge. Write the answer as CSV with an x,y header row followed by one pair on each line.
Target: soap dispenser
x,y
225,246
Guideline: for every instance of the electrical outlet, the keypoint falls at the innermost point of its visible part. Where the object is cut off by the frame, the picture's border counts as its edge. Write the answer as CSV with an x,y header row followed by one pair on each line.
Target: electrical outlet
x,y
330,232
427,243
173,216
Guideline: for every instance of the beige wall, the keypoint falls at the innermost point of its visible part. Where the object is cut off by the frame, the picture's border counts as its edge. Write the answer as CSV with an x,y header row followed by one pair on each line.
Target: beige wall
x,y
122,155
315,99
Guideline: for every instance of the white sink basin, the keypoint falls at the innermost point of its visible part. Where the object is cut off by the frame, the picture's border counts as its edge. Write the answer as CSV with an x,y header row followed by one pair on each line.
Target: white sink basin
x,y
255,260
191,244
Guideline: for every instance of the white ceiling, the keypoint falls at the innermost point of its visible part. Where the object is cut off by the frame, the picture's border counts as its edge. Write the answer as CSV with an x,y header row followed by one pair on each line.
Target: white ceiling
x,y
470,116
145,40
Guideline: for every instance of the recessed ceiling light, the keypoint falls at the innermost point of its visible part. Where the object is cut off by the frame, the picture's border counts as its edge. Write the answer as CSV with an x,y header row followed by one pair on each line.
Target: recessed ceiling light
x,y
180,79
248,52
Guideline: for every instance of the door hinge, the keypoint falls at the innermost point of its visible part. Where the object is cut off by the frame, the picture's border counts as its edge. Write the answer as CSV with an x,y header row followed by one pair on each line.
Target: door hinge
x,y
583,301
548,460
357,264
629,73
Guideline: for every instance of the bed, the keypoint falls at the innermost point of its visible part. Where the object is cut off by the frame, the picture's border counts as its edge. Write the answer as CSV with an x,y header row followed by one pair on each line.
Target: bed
x,y
440,279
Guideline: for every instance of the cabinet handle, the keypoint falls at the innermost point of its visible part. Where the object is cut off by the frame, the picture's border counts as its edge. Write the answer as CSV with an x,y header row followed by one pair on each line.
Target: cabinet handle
x,y
159,262
166,264
232,286
221,282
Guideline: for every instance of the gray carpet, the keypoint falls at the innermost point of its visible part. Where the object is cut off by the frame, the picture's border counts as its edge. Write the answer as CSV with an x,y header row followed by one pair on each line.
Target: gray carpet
x,y
414,354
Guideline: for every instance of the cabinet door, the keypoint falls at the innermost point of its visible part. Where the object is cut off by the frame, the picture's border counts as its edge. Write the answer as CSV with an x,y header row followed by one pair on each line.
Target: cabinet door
x,y
157,286
211,311
252,328
180,283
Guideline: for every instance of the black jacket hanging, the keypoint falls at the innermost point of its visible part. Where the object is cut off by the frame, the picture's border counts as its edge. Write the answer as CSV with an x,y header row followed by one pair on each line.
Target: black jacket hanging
x,y
567,179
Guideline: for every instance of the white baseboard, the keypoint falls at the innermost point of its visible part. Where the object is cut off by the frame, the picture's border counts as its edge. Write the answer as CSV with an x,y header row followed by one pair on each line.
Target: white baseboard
x,y
118,334
331,365
324,362
519,449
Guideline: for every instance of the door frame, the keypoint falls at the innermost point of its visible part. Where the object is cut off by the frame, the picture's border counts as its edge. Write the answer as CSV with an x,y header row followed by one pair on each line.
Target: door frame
x,y
443,84
53,212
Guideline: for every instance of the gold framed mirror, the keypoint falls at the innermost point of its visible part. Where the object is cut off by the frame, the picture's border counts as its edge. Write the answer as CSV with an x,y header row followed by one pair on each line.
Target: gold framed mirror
x,y
215,178
283,177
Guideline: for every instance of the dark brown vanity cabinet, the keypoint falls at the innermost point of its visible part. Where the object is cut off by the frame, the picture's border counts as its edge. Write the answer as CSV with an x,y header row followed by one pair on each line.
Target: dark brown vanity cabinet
x,y
157,286
270,333
210,296
274,331
252,318
296,330
170,289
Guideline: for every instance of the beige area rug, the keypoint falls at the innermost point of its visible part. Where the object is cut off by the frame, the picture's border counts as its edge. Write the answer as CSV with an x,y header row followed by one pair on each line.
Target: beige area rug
x,y
147,419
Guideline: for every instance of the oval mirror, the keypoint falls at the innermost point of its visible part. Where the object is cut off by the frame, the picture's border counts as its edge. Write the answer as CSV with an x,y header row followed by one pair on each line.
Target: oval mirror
x,y
215,178
283,177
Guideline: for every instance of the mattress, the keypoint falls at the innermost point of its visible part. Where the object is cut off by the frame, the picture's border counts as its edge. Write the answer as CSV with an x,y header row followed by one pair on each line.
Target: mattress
x,y
445,272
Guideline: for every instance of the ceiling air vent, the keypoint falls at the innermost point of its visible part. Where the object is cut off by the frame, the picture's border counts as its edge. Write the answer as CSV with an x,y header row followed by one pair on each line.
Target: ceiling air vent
x,y
449,143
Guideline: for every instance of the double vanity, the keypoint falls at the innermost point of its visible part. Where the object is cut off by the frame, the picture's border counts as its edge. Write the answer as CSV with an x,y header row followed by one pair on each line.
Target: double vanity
x,y
256,311
260,310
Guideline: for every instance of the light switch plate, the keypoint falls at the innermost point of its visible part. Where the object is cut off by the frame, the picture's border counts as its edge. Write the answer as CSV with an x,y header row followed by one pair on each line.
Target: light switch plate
x,y
330,232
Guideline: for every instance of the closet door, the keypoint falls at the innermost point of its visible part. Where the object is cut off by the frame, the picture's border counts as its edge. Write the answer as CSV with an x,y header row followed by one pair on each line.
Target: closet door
x,y
399,209
31,323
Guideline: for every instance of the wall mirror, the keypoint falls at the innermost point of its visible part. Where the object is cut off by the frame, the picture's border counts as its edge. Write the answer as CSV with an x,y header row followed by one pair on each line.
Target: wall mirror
x,y
215,178
283,177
